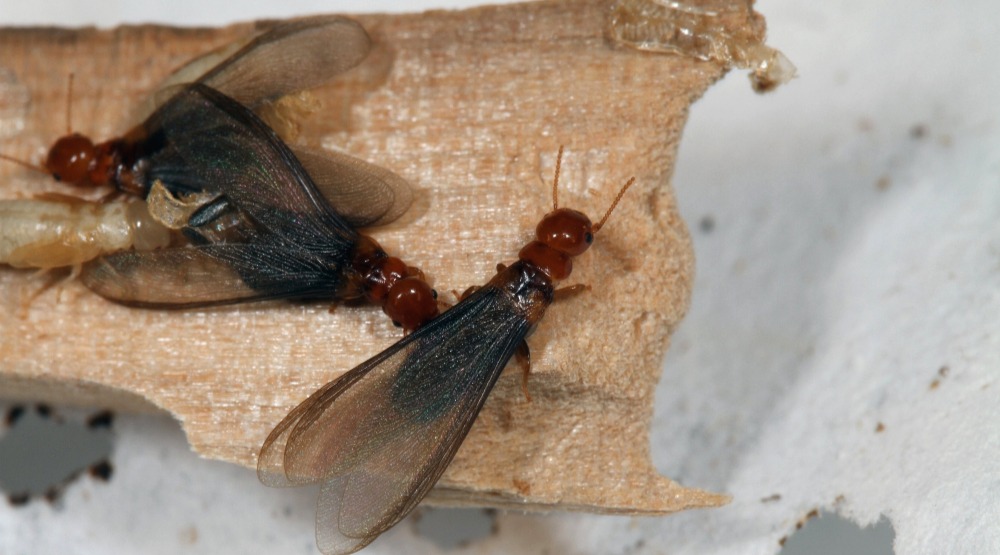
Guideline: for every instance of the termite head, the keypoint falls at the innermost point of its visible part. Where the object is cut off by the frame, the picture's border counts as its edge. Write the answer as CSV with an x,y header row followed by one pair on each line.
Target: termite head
x,y
562,234
72,159
75,160
566,230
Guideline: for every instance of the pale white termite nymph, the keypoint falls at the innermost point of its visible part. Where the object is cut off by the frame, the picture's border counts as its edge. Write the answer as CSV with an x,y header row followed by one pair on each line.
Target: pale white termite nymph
x,y
57,231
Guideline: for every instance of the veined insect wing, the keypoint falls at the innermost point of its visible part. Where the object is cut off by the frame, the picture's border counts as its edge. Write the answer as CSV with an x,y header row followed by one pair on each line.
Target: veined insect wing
x,y
206,275
206,142
203,141
290,57
287,58
281,236
380,436
364,194
298,56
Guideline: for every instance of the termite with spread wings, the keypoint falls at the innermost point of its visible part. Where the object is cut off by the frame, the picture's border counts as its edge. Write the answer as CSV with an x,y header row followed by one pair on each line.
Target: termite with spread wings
x,y
258,212
273,236
378,437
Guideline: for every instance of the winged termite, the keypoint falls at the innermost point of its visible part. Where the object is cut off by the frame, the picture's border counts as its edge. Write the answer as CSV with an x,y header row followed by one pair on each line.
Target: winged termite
x,y
287,58
268,234
378,437
262,223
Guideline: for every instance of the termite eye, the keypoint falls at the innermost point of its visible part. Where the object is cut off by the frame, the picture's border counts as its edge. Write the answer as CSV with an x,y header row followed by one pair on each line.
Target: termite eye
x,y
434,294
566,231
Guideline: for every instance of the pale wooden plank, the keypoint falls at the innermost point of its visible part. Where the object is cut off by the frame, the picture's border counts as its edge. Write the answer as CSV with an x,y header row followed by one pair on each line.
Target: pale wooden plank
x,y
471,107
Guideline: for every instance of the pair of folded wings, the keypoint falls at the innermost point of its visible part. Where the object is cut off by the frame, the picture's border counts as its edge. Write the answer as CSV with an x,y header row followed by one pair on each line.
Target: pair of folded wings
x,y
379,437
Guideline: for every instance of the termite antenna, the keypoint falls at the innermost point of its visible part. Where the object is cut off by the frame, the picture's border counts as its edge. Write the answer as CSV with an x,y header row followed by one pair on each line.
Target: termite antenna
x,y
69,103
28,165
555,180
621,193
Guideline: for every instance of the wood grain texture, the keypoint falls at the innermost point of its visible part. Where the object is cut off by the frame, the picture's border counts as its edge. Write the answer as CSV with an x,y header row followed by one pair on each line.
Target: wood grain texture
x,y
471,107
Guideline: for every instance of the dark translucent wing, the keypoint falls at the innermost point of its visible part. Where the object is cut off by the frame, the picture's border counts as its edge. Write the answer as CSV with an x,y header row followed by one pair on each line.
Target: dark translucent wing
x,y
208,275
204,141
287,58
382,434
364,194
290,57
188,73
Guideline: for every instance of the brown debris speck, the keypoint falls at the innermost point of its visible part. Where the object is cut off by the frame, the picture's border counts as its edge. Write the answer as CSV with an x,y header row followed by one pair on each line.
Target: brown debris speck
x,y
102,471
523,486
102,419
13,415
52,494
809,516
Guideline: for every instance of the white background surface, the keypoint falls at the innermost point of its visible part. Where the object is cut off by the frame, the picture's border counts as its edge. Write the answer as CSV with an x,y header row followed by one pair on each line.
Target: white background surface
x,y
855,251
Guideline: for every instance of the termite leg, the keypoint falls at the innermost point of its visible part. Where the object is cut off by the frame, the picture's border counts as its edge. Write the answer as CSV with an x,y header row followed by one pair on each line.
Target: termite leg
x,y
501,267
75,271
523,355
467,292
52,279
570,291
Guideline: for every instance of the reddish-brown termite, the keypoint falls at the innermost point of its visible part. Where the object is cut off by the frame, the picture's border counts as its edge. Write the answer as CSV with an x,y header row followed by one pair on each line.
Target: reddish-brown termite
x,y
264,220
378,437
